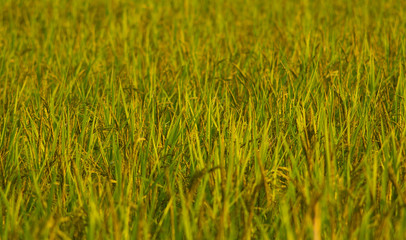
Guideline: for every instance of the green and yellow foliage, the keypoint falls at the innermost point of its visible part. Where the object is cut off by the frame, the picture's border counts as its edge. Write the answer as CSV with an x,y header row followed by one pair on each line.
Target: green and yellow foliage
x,y
214,119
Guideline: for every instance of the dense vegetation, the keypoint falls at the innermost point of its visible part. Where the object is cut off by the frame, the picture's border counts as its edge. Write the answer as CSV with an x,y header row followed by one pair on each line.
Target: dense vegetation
x,y
227,119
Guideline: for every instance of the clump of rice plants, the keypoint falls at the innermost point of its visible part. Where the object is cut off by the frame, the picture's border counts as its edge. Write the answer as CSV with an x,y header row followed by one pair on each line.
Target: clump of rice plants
x,y
187,119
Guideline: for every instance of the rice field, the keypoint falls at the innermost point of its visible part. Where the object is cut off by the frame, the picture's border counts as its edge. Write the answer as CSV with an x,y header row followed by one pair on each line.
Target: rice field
x,y
187,119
